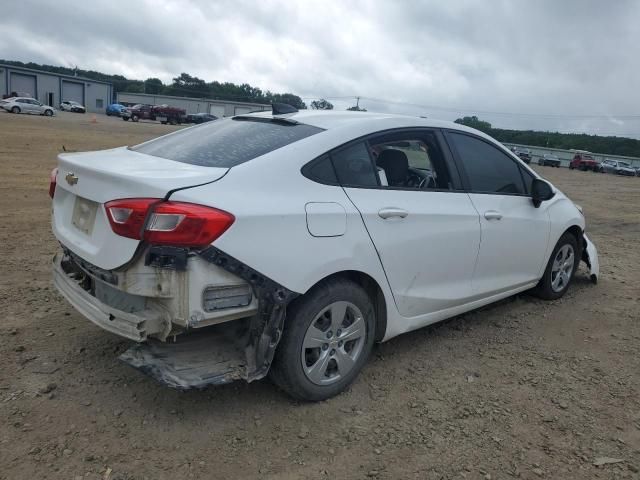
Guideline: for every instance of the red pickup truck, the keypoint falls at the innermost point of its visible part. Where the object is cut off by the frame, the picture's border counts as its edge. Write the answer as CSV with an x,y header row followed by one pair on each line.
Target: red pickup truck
x,y
583,161
162,113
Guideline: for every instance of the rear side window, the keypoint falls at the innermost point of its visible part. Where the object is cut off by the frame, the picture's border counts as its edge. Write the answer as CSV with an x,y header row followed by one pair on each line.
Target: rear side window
x,y
488,169
354,167
321,170
227,143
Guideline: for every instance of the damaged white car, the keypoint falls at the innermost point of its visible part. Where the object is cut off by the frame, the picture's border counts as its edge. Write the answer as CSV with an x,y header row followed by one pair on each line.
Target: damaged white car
x,y
290,242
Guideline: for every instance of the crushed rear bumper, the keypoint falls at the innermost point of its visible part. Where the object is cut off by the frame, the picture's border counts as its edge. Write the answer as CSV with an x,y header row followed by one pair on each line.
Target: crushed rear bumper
x,y
134,326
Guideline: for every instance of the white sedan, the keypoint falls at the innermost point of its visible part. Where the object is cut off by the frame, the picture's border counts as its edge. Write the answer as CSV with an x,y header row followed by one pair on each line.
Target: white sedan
x,y
71,106
26,105
290,242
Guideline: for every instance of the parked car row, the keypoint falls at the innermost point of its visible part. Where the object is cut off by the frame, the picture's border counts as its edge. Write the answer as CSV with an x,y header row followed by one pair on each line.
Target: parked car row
x,y
162,113
581,161
31,105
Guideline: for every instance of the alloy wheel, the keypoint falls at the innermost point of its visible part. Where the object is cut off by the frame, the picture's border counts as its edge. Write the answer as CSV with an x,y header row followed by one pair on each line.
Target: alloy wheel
x,y
333,343
562,269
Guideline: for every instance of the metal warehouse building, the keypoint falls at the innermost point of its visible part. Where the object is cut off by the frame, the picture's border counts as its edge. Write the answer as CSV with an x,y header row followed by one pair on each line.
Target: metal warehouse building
x,y
53,88
219,108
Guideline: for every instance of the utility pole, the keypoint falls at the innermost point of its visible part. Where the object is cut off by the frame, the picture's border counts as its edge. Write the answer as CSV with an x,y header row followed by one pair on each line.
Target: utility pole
x,y
358,103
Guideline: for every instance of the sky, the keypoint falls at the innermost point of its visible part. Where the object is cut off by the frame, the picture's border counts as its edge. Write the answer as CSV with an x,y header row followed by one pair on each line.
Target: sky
x,y
561,65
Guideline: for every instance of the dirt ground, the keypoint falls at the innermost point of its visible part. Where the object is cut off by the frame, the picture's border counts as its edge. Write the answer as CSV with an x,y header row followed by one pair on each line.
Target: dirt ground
x,y
523,389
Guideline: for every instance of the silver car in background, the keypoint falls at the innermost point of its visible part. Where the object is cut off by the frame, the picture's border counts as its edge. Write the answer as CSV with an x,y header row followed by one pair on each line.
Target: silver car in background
x,y
618,167
26,105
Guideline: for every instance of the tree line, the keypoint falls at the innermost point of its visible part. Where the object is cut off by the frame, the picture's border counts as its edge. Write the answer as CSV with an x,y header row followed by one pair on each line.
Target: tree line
x,y
624,146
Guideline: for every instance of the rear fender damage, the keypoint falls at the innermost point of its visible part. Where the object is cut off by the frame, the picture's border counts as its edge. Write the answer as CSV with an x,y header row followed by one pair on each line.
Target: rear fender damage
x,y
215,357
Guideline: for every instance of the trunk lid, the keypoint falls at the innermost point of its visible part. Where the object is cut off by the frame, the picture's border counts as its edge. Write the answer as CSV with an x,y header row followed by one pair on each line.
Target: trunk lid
x,y
85,181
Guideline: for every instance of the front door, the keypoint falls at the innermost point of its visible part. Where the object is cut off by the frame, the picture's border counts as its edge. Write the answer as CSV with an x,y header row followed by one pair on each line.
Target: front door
x,y
426,233
514,232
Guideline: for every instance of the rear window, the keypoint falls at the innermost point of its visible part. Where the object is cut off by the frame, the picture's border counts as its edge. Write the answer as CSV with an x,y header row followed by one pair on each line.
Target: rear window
x,y
227,143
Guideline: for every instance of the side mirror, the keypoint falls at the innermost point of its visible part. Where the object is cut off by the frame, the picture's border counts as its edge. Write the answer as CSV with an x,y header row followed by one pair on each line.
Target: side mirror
x,y
541,191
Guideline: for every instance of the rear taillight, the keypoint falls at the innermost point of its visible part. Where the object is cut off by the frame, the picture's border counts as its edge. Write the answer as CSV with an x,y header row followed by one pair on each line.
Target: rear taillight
x,y
127,216
167,223
52,182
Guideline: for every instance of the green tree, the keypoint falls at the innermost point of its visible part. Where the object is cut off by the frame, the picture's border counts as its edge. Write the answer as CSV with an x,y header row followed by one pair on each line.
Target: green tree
x,y
321,104
187,82
475,122
290,98
153,86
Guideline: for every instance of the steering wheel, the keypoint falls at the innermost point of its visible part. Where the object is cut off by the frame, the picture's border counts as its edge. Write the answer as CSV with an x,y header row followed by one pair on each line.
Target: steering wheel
x,y
416,181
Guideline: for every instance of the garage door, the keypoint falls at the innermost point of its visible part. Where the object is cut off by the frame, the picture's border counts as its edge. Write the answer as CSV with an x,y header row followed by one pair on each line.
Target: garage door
x,y
243,110
217,110
73,91
23,84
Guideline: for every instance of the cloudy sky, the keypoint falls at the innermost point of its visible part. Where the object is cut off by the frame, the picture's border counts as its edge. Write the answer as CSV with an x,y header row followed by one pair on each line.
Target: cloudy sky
x,y
567,65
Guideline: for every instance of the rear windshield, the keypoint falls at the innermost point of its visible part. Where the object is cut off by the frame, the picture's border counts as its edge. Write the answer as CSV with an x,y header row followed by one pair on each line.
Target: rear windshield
x,y
227,143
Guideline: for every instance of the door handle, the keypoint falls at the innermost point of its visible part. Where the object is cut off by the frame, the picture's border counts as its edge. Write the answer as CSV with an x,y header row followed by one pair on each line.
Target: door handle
x,y
392,212
492,215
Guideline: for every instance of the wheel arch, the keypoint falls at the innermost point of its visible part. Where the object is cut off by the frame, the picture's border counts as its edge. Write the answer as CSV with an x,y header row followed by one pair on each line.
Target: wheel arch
x,y
373,289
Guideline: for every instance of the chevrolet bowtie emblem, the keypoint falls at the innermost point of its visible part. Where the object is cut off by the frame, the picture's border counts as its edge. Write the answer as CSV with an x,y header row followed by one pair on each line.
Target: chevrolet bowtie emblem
x,y
71,178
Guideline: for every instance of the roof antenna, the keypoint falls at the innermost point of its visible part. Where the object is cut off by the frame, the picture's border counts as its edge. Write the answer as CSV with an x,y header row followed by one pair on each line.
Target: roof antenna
x,y
283,108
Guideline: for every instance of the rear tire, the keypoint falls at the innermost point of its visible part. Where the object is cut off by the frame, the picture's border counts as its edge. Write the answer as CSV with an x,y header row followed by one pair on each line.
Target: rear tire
x,y
561,267
135,118
327,339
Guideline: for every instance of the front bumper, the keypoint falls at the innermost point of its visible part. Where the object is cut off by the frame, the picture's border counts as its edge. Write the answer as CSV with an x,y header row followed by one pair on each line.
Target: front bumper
x,y
134,326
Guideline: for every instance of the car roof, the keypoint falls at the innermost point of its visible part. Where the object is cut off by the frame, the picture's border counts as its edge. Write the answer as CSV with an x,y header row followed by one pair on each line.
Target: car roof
x,y
371,121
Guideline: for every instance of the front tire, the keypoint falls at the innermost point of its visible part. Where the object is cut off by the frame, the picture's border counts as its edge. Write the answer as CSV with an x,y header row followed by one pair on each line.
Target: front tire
x,y
560,270
48,113
15,110
327,339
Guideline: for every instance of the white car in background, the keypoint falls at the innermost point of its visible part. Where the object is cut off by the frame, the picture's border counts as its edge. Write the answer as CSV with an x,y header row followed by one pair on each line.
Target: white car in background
x,y
71,106
290,242
26,105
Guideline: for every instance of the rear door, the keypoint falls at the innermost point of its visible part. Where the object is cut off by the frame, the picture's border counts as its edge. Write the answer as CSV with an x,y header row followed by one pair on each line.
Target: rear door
x,y
425,231
514,233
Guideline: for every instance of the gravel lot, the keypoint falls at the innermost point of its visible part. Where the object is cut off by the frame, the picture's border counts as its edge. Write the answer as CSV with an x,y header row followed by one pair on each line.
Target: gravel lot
x,y
525,388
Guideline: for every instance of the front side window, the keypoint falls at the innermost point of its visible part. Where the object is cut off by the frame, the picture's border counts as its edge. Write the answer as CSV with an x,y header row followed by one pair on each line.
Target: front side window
x,y
488,169
227,143
410,160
